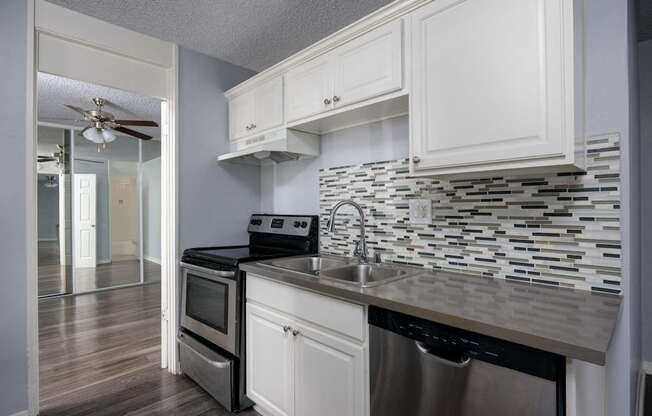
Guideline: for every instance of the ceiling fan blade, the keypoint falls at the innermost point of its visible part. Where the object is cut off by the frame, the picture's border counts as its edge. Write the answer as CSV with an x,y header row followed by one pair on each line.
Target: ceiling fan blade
x,y
143,123
77,109
133,133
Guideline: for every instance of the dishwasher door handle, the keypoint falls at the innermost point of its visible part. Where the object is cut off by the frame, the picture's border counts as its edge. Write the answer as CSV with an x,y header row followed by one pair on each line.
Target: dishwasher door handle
x,y
457,364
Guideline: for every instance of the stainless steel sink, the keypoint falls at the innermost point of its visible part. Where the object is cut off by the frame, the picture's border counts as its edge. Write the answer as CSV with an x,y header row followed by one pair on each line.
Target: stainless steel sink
x,y
310,265
365,275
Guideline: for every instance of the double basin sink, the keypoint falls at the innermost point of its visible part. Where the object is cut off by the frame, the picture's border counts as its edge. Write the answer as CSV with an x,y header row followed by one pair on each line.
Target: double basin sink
x,y
343,269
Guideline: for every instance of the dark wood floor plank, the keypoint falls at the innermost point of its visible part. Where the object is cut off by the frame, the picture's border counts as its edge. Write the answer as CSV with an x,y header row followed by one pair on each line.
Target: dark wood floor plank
x,y
100,356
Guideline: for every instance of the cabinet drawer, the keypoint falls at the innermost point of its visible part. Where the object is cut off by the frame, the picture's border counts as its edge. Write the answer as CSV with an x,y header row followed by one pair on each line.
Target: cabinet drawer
x,y
327,312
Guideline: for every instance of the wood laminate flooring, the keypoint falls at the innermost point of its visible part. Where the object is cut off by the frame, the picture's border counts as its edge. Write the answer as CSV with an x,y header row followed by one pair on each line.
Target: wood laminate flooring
x,y
100,355
52,275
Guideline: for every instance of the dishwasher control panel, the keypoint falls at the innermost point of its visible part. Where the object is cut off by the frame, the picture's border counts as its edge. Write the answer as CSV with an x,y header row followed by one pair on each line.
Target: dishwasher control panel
x,y
450,341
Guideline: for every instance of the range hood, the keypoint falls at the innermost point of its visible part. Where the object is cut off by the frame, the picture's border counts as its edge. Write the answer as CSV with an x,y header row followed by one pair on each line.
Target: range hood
x,y
277,146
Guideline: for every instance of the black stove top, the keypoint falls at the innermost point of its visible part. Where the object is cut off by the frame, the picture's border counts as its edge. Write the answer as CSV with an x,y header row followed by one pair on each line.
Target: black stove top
x,y
269,236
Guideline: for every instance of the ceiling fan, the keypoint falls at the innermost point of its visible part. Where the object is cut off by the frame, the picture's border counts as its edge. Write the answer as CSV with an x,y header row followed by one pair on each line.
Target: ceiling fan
x,y
102,124
56,157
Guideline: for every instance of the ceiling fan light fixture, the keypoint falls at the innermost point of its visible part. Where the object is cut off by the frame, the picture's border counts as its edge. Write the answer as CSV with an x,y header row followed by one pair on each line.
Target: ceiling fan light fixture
x,y
94,134
108,136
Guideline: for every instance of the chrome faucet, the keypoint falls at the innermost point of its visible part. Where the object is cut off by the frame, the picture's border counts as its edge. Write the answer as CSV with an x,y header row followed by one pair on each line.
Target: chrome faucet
x,y
360,250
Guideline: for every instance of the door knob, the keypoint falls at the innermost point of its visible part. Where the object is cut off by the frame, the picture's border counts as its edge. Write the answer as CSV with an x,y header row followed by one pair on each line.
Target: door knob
x,y
336,99
286,328
295,332
248,127
327,101
253,126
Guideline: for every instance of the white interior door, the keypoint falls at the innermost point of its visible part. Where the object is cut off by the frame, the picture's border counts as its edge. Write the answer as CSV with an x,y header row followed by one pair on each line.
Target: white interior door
x,y
84,195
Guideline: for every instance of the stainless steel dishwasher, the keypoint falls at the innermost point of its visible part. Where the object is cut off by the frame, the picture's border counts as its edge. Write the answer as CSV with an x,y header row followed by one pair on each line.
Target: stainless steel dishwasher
x,y
420,368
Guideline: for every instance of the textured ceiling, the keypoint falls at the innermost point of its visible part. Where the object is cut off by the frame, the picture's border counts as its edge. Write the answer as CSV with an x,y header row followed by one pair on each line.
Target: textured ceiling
x,y
55,91
254,34
644,20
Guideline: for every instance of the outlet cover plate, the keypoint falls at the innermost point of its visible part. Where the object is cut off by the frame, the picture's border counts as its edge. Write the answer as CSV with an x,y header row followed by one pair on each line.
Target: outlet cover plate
x,y
420,211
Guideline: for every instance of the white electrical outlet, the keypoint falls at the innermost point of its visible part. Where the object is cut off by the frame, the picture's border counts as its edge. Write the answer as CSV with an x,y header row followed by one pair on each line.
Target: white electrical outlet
x,y
420,211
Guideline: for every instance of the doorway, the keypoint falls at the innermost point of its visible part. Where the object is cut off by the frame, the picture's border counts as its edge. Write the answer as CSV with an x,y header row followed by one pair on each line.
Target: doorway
x,y
99,241
75,46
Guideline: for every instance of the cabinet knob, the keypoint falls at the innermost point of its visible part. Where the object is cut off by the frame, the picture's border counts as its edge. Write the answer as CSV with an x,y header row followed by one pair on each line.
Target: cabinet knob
x,y
253,126
327,101
416,159
295,332
286,328
336,99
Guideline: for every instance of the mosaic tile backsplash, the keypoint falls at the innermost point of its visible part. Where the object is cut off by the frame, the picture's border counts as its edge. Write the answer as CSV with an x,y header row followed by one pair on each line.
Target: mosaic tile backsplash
x,y
549,228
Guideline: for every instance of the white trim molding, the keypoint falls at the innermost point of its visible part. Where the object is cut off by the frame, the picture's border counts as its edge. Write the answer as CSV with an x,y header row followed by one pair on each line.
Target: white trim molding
x,y
31,217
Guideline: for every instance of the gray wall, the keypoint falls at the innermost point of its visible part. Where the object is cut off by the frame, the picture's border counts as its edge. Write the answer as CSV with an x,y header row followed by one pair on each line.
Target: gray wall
x,y
48,209
645,91
215,200
293,187
152,209
608,104
13,294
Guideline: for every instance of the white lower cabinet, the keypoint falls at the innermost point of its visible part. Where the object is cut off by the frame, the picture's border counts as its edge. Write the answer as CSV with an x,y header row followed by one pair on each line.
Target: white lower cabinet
x,y
269,361
298,367
328,375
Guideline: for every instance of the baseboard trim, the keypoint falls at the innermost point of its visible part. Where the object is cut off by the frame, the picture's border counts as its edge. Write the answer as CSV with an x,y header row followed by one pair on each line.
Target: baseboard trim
x,y
152,259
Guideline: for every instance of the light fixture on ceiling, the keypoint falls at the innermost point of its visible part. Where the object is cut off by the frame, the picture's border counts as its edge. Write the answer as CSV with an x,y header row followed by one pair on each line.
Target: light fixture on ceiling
x,y
99,136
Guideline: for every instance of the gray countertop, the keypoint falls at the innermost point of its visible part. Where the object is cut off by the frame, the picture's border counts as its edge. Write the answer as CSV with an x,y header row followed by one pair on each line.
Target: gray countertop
x,y
574,323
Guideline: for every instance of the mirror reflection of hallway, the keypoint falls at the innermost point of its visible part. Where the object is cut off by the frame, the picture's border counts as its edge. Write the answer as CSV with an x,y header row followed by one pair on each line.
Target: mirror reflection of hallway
x,y
108,196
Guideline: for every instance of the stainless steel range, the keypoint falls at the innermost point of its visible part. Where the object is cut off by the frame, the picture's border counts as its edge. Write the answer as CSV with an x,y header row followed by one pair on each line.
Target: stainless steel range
x,y
211,340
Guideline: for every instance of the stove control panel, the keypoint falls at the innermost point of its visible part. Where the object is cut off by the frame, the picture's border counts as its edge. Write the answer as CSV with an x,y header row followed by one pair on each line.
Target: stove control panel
x,y
282,224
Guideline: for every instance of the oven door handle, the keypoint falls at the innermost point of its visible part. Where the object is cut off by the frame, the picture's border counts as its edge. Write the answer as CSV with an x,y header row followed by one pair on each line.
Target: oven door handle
x,y
216,364
220,273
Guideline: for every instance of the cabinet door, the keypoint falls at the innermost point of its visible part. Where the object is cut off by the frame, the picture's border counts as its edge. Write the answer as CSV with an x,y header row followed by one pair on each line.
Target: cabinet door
x,y
329,374
241,115
268,105
370,65
269,361
309,88
488,82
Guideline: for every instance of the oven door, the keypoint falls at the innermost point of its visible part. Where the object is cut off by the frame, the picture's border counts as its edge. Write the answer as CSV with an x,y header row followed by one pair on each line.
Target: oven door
x,y
208,305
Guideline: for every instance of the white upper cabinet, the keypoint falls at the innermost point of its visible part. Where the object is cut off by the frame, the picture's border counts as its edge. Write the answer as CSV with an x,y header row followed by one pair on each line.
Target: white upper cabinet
x,y
493,86
369,66
257,110
308,88
241,115
268,105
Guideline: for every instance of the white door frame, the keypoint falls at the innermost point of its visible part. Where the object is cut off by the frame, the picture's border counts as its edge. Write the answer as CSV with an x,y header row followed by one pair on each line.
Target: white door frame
x,y
153,64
